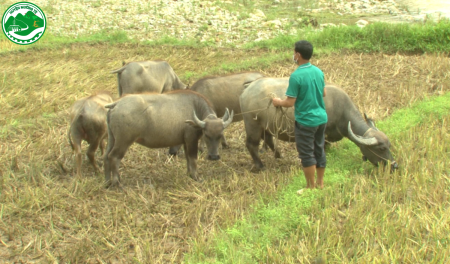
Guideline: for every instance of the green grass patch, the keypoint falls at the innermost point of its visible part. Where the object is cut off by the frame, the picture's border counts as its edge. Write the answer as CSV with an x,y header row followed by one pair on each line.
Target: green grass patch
x,y
375,37
418,114
418,38
363,214
50,41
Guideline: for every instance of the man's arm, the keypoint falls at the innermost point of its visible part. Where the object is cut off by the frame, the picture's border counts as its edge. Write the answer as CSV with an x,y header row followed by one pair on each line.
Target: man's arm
x,y
324,91
288,102
291,94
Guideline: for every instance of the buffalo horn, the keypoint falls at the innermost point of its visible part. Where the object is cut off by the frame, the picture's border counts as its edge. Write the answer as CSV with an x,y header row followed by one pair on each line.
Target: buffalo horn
x,y
199,122
361,140
227,119
226,115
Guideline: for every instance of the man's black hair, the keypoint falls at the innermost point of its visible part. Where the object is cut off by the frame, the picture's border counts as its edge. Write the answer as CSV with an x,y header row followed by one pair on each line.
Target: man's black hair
x,y
305,49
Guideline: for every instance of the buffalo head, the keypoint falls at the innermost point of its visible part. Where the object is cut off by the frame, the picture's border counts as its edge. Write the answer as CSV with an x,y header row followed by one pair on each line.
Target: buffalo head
x,y
374,145
212,128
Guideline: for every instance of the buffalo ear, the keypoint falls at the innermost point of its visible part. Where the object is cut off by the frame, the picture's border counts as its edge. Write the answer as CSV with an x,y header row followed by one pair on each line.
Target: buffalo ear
x,y
370,122
365,117
192,123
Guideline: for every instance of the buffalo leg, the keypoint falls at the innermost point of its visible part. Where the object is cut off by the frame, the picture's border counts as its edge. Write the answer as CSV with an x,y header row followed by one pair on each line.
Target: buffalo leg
x,y
264,147
106,164
76,143
115,157
252,144
102,146
91,152
191,152
268,141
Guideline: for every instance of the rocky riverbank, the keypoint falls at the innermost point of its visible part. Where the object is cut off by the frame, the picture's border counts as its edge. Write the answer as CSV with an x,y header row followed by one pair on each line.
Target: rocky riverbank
x,y
221,22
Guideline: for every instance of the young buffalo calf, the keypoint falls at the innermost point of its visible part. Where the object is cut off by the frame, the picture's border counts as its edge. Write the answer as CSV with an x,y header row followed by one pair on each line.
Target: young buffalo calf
x,y
88,122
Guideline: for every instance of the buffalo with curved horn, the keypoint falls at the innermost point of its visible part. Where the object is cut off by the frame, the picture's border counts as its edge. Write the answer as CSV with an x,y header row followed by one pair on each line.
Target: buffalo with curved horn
x,y
344,120
178,117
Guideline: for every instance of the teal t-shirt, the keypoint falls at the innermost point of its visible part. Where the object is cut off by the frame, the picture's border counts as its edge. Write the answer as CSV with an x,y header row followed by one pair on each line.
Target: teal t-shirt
x,y
306,84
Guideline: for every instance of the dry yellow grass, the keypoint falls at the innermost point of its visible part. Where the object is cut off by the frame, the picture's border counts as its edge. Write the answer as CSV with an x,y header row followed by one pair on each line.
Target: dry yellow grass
x,y
48,216
47,81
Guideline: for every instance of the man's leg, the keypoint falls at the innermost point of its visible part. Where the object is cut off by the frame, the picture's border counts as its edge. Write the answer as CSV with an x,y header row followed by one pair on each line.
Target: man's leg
x,y
310,173
319,154
320,173
304,139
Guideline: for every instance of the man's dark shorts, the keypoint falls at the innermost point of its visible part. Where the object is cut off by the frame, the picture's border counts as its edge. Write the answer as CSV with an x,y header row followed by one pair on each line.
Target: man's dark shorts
x,y
310,142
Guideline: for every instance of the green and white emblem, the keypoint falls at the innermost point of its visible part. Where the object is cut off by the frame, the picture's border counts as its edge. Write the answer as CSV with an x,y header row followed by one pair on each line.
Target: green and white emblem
x,y
24,23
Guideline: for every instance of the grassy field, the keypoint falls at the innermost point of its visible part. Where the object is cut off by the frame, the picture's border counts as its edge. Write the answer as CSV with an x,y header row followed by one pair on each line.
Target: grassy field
x,y
234,216
376,37
363,215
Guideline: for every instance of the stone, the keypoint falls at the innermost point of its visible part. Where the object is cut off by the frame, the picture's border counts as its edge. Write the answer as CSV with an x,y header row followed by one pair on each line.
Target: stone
x,y
259,13
362,23
324,25
276,23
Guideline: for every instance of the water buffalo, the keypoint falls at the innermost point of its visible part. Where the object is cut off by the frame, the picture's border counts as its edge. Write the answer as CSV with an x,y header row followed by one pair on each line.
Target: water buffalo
x,y
147,76
223,92
344,120
88,122
153,120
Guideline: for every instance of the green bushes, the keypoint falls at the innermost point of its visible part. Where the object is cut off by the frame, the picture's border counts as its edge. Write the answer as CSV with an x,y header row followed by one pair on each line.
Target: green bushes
x,y
376,37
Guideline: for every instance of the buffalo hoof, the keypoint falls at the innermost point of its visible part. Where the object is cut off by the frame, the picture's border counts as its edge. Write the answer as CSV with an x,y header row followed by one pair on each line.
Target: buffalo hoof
x,y
113,184
197,179
263,149
108,185
97,169
257,169
277,155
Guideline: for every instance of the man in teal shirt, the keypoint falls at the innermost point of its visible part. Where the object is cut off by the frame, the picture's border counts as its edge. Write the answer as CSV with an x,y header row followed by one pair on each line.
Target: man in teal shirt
x,y
306,92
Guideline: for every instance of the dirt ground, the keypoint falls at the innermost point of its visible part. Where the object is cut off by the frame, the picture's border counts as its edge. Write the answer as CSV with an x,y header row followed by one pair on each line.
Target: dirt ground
x,y
47,215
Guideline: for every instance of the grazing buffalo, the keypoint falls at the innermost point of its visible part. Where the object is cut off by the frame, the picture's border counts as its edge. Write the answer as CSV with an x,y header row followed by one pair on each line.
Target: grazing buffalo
x,y
223,92
147,76
162,120
344,120
88,122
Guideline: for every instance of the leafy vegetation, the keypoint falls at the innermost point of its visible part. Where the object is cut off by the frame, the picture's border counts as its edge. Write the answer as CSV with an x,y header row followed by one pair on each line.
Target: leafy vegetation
x,y
375,37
